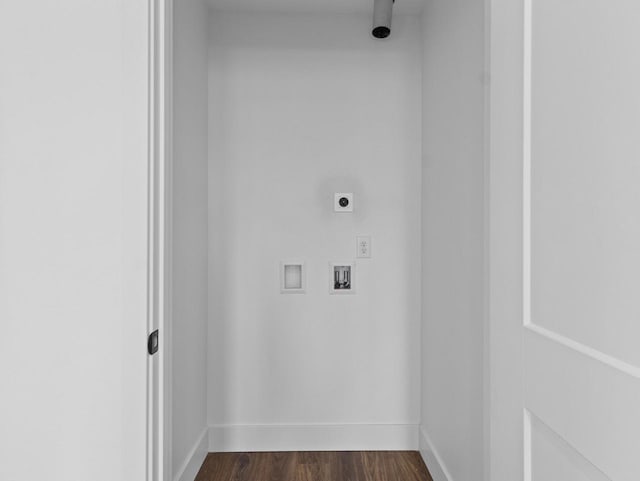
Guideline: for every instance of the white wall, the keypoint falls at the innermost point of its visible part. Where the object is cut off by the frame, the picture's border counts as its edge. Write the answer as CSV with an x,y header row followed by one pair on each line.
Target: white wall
x,y
189,243
73,205
453,216
302,106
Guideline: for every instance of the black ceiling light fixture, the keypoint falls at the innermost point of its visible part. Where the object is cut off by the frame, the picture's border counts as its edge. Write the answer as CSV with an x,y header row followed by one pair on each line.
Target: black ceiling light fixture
x,y
382,12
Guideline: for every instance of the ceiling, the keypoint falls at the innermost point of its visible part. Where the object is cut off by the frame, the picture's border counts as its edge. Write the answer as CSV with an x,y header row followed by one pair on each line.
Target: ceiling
x,y
313,6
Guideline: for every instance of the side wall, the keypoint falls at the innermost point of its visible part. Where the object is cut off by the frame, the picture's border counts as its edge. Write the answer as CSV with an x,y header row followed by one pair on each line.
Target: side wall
x,y
189,243
302,106
453,239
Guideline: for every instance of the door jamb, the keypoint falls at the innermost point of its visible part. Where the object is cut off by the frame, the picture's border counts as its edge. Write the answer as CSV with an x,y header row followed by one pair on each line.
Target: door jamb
x,y
160,108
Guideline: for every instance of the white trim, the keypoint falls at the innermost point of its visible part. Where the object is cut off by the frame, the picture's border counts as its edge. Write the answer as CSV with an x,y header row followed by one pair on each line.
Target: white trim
x,y
527,445
167,259
486,261
585,350
193,462
432,458
156,212
313,437
526,161
159,228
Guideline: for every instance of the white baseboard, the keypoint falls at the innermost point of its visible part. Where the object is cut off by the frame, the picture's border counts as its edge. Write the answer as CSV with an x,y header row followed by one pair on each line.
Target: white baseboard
x,y
432,459
194,459
318,437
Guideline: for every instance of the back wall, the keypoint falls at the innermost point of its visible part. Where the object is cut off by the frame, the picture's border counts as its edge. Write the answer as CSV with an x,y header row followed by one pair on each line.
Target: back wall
x,y
302,106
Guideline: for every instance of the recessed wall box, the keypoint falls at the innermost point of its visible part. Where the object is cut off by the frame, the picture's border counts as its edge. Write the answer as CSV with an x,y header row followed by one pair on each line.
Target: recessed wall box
x,y
343,202
342,278
293,277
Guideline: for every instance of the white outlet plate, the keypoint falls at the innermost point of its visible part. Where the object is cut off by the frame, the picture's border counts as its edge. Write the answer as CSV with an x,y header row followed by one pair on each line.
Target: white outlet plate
x,y
363,246
337,197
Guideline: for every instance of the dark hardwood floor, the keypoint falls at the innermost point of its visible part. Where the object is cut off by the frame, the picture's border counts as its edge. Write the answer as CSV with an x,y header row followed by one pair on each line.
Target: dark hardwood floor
x,y
315,466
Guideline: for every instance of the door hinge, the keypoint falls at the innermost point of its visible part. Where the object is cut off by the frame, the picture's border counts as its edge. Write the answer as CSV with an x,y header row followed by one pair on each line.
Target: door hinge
x,y
152,343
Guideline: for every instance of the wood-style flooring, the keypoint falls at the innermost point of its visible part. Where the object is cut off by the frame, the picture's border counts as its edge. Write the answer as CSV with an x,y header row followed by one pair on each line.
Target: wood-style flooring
x,y
315,466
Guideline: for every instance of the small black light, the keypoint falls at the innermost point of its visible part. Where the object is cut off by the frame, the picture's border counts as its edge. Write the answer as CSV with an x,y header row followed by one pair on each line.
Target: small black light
x,y
382,13
381,32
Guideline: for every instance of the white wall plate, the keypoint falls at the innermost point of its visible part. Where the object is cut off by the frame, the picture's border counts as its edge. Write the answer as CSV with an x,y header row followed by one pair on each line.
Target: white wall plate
x,y
342,277
343,202
293,277
363,246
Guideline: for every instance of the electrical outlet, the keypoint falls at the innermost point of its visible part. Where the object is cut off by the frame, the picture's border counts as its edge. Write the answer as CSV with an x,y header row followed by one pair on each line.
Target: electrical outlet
x,y
343,202
363,246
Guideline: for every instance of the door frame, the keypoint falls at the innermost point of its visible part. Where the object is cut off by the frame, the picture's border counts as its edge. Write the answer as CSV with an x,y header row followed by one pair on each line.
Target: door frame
x,y
160,147
507,306
498,351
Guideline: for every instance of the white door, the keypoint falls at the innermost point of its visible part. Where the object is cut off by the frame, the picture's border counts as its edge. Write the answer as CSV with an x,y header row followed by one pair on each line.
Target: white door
x,y
74,199
564,245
